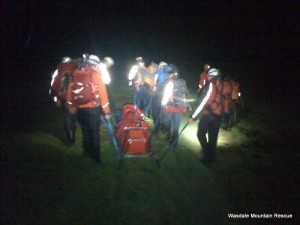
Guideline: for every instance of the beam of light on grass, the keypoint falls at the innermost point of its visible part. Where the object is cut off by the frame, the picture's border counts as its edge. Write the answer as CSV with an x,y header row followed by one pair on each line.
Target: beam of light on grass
x,y
189,137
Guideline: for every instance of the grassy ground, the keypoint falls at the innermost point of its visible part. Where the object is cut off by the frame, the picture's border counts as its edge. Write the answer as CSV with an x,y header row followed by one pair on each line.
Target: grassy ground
x,y
46,181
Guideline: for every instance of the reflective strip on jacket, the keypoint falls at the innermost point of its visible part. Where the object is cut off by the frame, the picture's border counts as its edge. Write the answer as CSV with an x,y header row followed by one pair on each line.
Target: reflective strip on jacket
x,y
168,98
62,68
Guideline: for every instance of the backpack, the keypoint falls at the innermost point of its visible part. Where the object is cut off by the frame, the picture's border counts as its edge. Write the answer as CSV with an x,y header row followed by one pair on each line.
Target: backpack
x,y
60,82
148,77
153,67
64,82
180,93
222,97
83,87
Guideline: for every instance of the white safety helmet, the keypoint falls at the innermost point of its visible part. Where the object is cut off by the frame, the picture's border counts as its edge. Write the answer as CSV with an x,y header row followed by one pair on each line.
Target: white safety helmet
x,y
162,64
66,59
109,61
139,59
213,72
93,60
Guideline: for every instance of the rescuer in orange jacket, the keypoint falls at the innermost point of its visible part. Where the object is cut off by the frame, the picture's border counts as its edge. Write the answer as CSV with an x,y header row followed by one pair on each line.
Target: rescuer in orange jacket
x,y
211,118
230,118
203,77
174,105
59,84
88,115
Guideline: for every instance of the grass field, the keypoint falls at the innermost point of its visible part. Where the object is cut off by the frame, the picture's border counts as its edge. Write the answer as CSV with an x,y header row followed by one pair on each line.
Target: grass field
x,y
46,181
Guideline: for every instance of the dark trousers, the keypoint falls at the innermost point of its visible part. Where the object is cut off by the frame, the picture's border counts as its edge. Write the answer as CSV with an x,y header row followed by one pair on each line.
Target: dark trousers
x,y
229,118
172,120
157,108
69,122
209,124
89,121
141,97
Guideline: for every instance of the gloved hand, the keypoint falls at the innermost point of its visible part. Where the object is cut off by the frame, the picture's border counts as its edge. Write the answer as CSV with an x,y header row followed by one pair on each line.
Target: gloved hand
x,y
58,103
154,88
73,110
190,120
107,116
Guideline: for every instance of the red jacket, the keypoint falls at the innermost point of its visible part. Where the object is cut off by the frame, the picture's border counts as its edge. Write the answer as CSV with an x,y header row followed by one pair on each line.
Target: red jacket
x,y
203,79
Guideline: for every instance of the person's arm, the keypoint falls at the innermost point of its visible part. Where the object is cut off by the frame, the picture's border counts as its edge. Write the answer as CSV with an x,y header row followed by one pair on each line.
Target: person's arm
x,y
102,92
155,78
168,92
133,72
105,74
71,107
202,101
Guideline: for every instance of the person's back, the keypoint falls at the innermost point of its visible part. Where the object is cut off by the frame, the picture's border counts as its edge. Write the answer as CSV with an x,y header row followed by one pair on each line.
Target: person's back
x,y
235,96
141,88
89,79
59,85
173,103
211,107
61,78
235,89
89,110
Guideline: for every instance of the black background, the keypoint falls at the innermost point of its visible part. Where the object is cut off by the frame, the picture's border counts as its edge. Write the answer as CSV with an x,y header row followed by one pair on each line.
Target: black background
x,y
257,43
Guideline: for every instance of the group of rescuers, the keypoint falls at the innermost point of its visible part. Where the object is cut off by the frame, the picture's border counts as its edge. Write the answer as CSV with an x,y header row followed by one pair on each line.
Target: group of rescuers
x,y
166,117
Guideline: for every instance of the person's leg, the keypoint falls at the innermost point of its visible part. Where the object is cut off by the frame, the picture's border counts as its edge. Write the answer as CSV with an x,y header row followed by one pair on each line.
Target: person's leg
x,y
156,110
94,132
201,134
213,133
69,123
166,123
136,98
82,117
226,120
176,120
231,116
143,97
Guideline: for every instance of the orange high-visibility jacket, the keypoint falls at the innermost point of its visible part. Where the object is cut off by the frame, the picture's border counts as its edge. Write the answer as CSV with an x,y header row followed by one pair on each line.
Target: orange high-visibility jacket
x,y
203,79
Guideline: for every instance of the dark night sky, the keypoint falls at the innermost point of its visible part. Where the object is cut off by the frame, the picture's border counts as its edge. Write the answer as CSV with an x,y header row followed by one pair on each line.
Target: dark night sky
x,y
243,39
